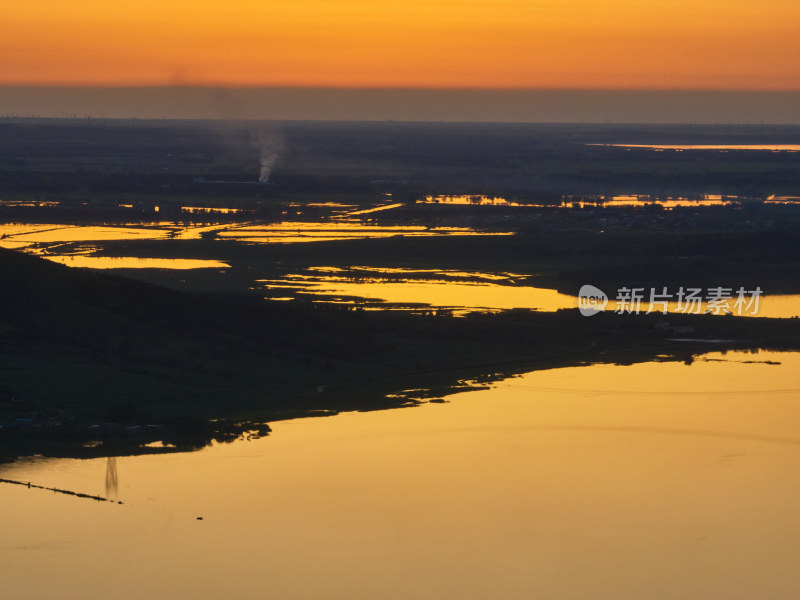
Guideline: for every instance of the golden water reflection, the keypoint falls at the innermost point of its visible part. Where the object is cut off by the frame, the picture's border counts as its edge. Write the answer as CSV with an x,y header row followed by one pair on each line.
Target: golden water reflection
x,y
133,262
469,199
294,232
771,306
784,200
451,273
374,210
210,210
20,236
441,293
659,480
466,291
642,200
723,147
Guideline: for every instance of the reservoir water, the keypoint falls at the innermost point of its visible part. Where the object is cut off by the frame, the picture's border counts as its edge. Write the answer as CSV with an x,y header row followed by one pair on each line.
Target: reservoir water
x,y
662,480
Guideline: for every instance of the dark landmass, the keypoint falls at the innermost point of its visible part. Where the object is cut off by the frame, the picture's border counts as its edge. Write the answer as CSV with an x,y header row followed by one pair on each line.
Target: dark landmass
x,y
88,356
193,161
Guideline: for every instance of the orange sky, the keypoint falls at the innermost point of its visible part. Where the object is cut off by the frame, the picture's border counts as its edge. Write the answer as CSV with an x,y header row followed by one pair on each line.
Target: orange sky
x,y
688,44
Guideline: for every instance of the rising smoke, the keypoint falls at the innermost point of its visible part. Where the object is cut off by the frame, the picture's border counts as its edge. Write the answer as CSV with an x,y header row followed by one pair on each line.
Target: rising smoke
x,y
270,146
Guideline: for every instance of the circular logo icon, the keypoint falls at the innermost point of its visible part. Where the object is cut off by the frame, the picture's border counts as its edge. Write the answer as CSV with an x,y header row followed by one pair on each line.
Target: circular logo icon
x,y
591,300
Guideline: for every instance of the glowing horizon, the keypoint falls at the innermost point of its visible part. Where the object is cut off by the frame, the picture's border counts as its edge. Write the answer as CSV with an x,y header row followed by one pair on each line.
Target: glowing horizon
x,y
509,44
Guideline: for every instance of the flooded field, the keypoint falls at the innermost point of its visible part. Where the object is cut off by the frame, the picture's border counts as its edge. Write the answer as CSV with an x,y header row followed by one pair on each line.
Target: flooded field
x,y
657,480
368,287
298,232
469,200
376,288
643,200
783,200
22,236
75,245
602,201
133,262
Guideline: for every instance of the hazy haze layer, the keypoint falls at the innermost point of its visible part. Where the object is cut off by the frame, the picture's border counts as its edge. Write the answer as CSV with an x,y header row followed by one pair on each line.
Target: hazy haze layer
x,y
403,104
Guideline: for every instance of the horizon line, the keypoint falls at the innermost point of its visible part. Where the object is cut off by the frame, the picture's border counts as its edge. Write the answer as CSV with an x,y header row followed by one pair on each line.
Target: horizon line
x,y
427,88
383,104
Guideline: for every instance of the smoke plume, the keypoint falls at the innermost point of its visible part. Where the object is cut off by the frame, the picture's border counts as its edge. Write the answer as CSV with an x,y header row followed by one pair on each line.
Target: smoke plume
x,y
270,146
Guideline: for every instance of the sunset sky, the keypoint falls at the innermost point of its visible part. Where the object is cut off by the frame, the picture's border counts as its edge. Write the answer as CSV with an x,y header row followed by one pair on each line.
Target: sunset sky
x,y
612,44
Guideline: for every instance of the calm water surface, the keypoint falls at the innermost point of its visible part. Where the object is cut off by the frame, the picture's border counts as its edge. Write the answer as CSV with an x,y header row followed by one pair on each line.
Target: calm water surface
x,y
722,147
289,232
658,481
380,288
134,262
